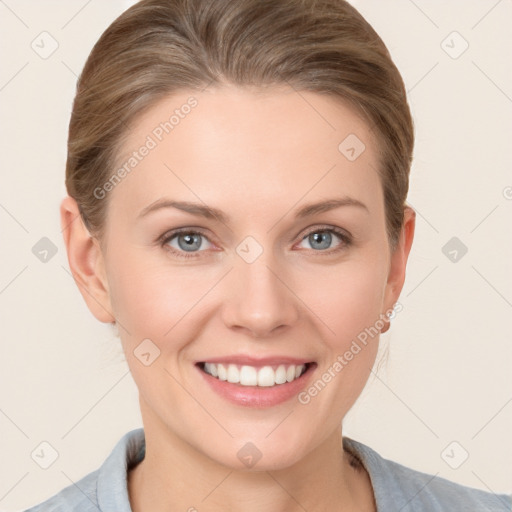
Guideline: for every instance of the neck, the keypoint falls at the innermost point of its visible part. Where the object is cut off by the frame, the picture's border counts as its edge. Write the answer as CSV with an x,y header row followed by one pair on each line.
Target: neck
x,y
174,476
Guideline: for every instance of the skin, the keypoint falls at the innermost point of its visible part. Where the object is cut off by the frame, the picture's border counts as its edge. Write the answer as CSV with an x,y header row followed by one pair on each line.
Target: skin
x,y
258,156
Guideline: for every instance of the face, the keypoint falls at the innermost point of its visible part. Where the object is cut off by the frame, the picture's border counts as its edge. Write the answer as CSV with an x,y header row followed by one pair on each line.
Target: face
x,y
251,274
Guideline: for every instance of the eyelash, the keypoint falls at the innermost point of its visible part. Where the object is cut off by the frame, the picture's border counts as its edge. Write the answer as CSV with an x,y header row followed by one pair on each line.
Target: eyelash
x,y
346,240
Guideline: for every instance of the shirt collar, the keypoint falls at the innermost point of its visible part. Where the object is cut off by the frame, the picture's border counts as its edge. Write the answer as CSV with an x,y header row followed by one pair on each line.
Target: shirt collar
x,y
112,490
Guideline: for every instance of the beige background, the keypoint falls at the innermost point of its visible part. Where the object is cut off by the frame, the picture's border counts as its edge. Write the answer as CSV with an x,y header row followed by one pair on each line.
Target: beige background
x,y
63,376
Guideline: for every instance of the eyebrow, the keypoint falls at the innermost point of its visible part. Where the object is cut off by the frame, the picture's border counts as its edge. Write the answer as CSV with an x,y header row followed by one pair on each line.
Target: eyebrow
x,y
214,213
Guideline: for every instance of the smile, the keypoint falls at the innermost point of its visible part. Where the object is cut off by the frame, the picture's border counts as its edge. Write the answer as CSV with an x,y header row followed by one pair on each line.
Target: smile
x,y
246,375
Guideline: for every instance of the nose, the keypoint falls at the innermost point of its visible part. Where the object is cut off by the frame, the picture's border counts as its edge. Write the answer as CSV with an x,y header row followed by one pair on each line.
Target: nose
x,y
258,298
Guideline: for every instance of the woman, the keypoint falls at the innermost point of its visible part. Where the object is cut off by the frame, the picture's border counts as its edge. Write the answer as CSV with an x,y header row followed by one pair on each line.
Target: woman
x,y
237,175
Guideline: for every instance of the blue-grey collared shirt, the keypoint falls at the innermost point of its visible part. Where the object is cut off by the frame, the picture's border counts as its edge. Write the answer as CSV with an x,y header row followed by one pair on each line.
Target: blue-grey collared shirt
x,y
396,487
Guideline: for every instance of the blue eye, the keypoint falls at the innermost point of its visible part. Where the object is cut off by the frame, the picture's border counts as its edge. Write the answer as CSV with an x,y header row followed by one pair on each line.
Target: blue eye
x,y
187,242
321,239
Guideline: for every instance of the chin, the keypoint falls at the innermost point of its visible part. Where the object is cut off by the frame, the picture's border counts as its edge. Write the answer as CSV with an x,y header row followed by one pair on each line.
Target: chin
x,y
251,458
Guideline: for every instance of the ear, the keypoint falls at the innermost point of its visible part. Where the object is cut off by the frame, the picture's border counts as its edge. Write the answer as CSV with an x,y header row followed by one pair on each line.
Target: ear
x,y
85,261
398,263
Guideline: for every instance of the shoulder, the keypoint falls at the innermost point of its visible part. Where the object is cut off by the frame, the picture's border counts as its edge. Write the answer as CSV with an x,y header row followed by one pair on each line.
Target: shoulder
x,y
80,496
397,487
426,491
105,488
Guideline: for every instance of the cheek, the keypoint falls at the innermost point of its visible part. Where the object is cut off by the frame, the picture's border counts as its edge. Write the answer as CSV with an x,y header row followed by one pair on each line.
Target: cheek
x,y
161,303
349,310
347,298
150,299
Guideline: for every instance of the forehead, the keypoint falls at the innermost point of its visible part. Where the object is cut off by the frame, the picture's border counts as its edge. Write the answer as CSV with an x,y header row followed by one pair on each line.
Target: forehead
x,y
239,146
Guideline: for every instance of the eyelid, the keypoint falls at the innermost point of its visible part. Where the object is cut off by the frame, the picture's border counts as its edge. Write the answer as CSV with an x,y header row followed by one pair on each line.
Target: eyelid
x,y
171,233
323,227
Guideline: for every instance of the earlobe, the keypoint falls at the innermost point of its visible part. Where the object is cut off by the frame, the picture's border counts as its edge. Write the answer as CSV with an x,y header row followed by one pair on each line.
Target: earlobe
x,y
85,261
398,262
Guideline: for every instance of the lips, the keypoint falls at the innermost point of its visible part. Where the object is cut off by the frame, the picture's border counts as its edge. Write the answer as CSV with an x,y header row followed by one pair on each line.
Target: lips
x,y
256,381
258,387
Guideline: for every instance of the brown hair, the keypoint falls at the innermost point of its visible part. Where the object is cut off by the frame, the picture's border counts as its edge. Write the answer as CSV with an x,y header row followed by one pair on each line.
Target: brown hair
x,y
158,47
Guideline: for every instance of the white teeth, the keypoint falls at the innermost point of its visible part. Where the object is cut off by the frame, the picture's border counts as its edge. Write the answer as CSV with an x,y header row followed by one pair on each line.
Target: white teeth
x,y
281,374
266,376
211,369
233,374
221,370
248,375
251,376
